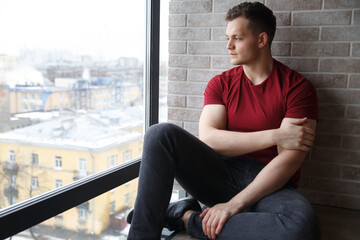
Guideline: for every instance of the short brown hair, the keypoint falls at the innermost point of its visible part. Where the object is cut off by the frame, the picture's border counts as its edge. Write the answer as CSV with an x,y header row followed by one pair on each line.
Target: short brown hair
x,y
261,18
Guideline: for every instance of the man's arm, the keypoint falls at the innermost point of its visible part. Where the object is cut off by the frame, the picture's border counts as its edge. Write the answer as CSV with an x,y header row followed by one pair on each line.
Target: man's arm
x,y
212,131
271,178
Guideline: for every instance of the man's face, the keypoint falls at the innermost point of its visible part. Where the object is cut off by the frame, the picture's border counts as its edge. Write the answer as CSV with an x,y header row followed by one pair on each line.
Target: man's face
x,y
242,44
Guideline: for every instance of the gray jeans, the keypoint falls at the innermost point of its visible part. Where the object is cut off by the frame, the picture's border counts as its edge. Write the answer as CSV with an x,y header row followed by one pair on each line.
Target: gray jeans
x,y
170,152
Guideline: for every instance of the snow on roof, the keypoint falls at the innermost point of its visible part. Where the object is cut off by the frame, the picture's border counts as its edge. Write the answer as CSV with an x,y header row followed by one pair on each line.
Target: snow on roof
x,y
73,132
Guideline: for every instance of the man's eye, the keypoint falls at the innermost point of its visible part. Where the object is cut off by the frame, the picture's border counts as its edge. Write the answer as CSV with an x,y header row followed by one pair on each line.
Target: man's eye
x,y
237,38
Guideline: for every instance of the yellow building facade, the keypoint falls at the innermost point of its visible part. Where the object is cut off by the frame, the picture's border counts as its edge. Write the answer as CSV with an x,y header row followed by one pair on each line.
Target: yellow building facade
x,y
31,167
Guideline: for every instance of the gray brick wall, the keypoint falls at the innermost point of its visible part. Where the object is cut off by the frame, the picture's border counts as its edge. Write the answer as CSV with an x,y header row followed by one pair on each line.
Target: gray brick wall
x,y
318,38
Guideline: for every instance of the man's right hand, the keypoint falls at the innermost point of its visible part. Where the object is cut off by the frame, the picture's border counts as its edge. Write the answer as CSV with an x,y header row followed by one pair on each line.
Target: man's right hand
x,y
296,134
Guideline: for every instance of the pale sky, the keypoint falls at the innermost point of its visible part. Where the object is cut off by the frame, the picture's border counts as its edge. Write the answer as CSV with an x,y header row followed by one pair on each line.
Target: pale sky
x,y
111,28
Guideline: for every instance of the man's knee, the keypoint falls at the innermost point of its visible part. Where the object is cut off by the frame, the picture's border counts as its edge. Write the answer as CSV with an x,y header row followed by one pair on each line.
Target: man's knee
x,y
158,132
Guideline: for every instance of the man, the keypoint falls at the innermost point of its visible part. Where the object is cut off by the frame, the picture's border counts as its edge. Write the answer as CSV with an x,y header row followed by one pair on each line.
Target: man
x,y
257,124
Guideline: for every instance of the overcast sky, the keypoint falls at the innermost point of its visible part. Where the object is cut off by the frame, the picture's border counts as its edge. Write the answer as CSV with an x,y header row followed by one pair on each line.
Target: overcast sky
x,y
111,28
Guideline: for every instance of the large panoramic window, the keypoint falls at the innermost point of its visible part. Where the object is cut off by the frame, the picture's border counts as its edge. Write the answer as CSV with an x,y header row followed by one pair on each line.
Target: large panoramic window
x,y
72,103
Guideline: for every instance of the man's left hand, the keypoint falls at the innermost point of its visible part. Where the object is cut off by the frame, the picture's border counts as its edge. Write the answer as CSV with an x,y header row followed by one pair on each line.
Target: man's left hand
x,y
215,217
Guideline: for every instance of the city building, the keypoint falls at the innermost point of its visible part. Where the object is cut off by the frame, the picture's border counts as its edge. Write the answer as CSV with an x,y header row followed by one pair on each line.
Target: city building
x,y
52,153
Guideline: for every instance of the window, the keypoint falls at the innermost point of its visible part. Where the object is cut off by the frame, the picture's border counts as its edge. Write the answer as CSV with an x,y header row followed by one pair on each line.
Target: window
x,y
127,155
58,183
58,163
112,160
127,199
82,214
34,183
11,156
34,159
112,207
82,167
85,131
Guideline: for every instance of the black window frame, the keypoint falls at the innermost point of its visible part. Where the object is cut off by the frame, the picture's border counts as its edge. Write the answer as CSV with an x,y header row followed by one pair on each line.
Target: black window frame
x,y
21,216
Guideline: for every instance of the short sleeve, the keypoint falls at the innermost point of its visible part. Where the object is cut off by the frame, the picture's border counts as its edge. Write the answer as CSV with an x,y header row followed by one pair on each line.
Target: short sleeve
x,y
214,91
302,101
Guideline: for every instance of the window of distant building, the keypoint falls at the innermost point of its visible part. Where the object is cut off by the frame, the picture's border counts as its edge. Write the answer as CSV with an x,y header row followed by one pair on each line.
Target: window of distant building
x,y
127,199
34,182
82,213
58,162
58,183
112,207
34,159
11,156
127,155
82,167
113,160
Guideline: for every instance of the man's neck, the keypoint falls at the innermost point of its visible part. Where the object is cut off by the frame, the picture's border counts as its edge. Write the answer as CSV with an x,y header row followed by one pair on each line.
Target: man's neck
x,y
259,71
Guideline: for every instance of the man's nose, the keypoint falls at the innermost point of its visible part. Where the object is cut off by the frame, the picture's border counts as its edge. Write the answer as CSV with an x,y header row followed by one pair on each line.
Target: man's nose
x,y
230,44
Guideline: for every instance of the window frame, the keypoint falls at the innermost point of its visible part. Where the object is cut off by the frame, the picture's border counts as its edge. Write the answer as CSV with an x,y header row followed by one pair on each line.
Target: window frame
x,y
19,217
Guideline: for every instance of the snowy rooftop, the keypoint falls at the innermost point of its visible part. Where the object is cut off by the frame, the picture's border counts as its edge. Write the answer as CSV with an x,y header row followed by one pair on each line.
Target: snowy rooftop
x,y
83,131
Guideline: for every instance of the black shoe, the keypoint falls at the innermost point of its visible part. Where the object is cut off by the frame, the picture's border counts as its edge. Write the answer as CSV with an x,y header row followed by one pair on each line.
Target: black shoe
x,y
174,212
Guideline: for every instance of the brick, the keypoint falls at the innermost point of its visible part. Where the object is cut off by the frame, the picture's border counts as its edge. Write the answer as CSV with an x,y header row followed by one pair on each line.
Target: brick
x,y
286,5
187,34
356,50
334,186
322,198
280,48
323,154
182,114
195,102
321,49
331,111
341,33
328,140
322,170
208,48
356,17
206,20
192,127
350,202
354,81
218,34
189,61
327,80
225,5
351,172
300,64
178,123
296,34
186,88
341,4
177,47
352,143
199,75
176,100
190,6
344,65
283,18
178,74
340,126
321,18
353,112
177,20
221,62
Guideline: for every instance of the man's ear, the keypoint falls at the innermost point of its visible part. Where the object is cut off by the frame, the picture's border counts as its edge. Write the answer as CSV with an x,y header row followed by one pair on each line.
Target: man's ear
x,y
263,39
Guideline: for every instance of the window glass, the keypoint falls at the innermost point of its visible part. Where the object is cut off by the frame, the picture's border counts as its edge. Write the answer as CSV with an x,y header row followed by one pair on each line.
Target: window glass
x,y
71,99
101,218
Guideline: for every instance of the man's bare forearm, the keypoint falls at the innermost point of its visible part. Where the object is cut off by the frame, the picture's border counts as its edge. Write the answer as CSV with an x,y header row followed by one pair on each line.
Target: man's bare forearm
x,y
272,177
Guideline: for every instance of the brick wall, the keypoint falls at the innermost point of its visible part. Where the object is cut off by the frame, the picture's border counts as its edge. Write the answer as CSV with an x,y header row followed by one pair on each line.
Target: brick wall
x,y
318,38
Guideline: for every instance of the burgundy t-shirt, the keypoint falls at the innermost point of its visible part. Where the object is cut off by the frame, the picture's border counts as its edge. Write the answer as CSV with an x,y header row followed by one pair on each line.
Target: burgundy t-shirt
x,y
283,94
